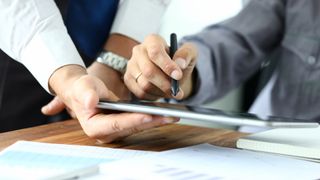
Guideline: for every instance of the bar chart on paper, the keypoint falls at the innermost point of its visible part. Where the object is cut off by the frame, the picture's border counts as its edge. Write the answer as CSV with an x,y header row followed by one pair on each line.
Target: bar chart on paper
x,y
210,162
179,173
153,171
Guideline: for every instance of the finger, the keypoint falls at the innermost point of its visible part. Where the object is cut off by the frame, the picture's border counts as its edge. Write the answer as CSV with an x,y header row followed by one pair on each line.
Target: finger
x,y
157,122
86,94
55,106
134,87
156,50
149,88
128,132
138,78
153,74
89,90
71,113
186,56
179,96
102,125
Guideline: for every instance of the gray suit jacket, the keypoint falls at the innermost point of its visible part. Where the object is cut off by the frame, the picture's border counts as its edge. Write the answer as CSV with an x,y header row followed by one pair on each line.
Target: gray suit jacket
x,y
232,51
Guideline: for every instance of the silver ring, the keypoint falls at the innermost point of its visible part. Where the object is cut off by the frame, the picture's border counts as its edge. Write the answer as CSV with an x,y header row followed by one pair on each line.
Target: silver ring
x,y
137,77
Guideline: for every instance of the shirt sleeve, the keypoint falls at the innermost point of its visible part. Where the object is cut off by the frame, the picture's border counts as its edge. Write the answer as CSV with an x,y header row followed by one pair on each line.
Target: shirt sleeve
x,y
232,51
137,19
33,33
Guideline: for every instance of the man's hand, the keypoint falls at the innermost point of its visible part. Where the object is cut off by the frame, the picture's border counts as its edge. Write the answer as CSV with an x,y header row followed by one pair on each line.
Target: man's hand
x,y
81,93
150,69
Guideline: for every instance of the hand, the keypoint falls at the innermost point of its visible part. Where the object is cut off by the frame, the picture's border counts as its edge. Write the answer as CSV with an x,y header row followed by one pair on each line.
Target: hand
x,y
81,93
117,43
150,69
111,78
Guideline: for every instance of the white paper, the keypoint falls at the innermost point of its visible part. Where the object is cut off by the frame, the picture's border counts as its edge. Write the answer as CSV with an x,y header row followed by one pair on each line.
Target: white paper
x,y
210,162
33,160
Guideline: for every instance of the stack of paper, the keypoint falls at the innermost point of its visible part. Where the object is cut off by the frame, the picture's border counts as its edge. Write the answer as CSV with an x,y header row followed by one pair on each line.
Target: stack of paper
x,y
300,142
34,160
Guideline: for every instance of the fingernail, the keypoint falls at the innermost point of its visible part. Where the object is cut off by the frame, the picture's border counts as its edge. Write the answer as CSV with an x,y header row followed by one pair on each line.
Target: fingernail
x,y
147,120
168,121
181,63
179,95
175,75
44,109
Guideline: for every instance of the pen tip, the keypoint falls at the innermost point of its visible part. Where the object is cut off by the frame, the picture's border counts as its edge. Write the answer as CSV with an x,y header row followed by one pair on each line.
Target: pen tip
x,y
174,91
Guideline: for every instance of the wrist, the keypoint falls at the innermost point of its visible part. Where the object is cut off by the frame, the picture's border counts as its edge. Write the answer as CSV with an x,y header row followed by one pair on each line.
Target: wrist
x,y
64,77
121,45
111,78
112,60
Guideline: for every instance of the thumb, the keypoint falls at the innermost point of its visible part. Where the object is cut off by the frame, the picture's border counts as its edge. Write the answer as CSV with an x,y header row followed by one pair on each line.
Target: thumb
x,y
53,107
90,90
186,56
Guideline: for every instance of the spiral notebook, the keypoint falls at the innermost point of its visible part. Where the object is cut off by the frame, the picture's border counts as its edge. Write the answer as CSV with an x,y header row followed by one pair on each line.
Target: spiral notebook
x,y
302,143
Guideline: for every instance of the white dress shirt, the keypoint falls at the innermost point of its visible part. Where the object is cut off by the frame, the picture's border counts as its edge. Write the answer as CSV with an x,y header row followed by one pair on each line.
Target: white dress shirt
x,y
34,34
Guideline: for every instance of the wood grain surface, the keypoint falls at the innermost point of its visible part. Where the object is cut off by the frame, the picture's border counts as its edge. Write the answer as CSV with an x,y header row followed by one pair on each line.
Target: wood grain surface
x,y
157,139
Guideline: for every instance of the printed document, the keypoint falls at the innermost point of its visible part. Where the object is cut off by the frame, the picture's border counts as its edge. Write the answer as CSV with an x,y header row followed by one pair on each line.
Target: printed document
x,y
33,160
206,161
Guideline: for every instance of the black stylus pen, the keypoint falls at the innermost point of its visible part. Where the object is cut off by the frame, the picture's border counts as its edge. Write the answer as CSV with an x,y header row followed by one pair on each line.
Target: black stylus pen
x,y
173,49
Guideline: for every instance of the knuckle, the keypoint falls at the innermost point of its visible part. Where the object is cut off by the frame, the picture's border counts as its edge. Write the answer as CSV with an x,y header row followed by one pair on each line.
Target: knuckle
x,y
154,51
116,126
149,72
190,49
126,77
140,94
134,130
91,133
168,67
151,37
166,88
130,63
189,46
146,86
136,49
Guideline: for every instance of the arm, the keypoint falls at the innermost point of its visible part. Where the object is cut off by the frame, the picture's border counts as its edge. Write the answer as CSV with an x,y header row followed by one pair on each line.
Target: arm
x,y
232,51
36,36
33,33
130,27
83,100
228,54
121,45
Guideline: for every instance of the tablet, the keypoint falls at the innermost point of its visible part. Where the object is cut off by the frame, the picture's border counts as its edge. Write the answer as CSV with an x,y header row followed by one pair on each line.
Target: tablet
x,y
205,114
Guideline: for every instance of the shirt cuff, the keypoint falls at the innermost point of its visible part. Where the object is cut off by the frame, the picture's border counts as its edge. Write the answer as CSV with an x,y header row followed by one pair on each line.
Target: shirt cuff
x,y
47,51
137,19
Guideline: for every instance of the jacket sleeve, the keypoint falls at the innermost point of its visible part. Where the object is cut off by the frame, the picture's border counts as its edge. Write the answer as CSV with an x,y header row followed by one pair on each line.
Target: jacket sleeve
x,y
233,50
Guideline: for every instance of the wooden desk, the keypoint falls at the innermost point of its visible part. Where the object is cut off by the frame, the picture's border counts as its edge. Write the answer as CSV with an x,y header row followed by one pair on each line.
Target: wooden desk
x,y
158,139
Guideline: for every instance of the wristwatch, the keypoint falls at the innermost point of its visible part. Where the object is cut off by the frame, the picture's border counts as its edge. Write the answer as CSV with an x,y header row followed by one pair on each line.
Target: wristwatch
x,y
112,60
